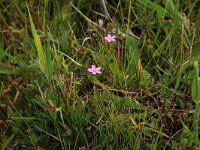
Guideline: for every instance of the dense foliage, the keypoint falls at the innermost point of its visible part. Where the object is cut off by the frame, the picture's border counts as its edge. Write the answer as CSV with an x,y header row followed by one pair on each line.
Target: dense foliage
x,y
142,93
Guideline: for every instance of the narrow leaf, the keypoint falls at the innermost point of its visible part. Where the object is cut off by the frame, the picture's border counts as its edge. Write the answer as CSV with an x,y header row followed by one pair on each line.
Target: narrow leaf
x,y
37,41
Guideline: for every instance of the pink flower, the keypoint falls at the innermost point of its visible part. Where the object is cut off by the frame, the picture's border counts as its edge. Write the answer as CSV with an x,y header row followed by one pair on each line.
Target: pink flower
x,y
109,38
94,70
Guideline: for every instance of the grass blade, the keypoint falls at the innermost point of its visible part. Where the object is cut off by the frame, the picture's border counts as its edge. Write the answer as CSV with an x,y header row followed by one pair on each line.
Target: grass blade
x,y
37,41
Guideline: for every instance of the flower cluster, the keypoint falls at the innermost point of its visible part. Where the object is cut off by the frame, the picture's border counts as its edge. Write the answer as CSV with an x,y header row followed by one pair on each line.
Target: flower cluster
x,y
97,70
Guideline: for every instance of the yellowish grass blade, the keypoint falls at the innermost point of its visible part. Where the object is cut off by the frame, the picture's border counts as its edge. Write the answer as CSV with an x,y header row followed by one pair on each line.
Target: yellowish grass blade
x,y
37,41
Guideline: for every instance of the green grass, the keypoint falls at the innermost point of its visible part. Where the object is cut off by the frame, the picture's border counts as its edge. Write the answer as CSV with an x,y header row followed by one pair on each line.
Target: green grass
x,y
147,96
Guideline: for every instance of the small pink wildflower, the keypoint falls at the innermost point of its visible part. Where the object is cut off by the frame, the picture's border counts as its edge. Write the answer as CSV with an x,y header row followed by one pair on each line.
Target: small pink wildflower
x,y
94,70
109,38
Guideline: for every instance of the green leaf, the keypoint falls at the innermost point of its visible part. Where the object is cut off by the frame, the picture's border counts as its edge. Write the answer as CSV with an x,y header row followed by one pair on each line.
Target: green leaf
x,y
146,78
49,62
65,66
117,73
10,71
196,84
37,41
127,102
162,12
195,92
5,145
196,52
133,54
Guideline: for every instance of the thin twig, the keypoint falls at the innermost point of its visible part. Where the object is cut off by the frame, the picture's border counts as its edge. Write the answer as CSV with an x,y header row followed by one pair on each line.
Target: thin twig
x,y
70,58
71,30
100,14
89,20
172,138
106,11
130,33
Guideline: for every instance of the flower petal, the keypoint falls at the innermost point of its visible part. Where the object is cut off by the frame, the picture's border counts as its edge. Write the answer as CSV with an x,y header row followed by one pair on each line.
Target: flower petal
x,y
98,71
114,36
94,72
107,39
90,69
110,38
98,68
108,35
93,67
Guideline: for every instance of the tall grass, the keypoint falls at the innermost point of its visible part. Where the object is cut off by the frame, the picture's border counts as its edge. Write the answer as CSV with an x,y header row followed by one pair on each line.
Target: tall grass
x,y
147,96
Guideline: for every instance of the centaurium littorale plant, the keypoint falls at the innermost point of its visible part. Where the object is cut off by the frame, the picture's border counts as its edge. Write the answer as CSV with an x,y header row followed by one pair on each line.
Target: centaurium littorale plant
x,y
110,38
94,70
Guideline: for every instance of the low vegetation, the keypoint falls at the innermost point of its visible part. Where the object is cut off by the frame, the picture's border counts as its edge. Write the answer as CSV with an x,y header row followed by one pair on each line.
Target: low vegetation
x,y
105,74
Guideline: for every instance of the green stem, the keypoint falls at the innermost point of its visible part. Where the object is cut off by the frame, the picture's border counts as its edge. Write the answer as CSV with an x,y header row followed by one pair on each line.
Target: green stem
x,y
196,99
196,69
196,119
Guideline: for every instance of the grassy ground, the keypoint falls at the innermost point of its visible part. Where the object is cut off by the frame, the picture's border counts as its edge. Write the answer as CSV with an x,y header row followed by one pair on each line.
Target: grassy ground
x,y
147,96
